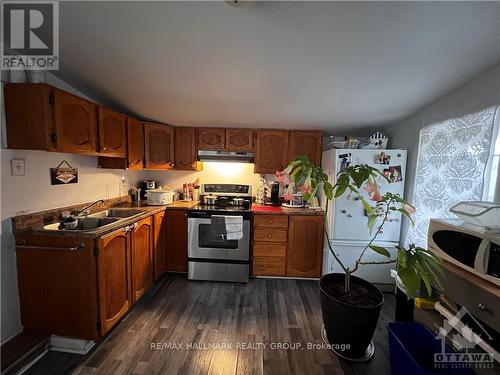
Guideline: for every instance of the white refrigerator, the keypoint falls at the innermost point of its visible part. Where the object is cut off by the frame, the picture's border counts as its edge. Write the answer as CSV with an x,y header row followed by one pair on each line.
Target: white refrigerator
x,y
346,219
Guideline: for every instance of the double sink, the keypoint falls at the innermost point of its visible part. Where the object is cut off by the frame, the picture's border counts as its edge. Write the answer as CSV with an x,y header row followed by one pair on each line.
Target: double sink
x,y
99,219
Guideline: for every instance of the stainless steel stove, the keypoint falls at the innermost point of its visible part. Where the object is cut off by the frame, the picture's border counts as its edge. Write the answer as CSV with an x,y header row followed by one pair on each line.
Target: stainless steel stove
x,y
211,256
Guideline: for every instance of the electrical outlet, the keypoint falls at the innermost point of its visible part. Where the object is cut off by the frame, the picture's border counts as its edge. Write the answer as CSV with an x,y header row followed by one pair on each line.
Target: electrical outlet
x,y
22,212
17,167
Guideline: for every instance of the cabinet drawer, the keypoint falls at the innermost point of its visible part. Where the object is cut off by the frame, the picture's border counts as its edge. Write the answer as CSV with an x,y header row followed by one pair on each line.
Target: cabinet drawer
x,y
269,266
269,235
270,221
269,250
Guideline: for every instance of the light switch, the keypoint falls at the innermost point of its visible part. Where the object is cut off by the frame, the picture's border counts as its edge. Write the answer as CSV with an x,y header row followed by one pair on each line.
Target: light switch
x,y
17,167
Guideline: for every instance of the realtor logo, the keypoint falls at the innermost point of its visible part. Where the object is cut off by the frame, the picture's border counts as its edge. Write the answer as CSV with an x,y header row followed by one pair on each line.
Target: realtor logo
x,y
30,35
467,355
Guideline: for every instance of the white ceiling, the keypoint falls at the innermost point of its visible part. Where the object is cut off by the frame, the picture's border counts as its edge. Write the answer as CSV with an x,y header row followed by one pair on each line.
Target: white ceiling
x,y
330,65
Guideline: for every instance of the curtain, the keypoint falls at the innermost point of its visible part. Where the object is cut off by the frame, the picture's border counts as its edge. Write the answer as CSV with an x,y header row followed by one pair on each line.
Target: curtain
x,y
452,159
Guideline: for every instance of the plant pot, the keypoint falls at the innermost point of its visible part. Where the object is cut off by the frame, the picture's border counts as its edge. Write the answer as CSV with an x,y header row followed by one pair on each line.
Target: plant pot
x,y
349,328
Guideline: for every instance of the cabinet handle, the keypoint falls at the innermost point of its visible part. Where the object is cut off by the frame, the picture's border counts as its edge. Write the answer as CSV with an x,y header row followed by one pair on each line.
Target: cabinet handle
x,y
270,221
73,248
269,236
126,229
104,148
482,307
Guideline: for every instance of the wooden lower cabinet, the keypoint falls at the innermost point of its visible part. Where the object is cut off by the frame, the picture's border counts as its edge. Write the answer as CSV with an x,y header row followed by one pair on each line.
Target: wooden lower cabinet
x,y
82,287
142,257
305,246
113,278
177,240
287,245
159,244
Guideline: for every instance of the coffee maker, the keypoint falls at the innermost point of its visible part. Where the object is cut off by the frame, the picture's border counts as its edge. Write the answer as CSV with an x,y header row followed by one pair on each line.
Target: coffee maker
x,y
146,185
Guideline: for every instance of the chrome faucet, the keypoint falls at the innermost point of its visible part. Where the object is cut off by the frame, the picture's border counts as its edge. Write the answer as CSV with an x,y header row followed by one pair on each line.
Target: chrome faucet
x,y
137,193
86,210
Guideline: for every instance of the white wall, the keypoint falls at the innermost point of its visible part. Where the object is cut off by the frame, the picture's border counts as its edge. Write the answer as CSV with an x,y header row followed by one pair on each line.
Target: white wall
x,y
479,93
33,192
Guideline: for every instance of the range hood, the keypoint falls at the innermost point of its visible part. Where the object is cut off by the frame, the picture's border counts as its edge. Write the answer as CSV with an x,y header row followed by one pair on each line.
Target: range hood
x,y
225,156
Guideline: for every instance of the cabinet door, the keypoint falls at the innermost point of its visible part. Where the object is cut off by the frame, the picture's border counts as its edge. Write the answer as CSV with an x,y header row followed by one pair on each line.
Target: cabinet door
x,y
176,256
185,149
159,244
239,140
271,151
211,139
159,146
112,133
113,272
305,246
308,143
75,124
142,257
135,143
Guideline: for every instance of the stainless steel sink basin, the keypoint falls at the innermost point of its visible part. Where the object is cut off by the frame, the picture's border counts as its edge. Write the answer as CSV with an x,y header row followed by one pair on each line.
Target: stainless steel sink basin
x,y
99,219
116,212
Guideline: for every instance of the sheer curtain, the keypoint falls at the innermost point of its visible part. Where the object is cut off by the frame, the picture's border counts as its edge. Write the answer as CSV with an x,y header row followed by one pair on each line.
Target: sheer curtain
x,y
453,164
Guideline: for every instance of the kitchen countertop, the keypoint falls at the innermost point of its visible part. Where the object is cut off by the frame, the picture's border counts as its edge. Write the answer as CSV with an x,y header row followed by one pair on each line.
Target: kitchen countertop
x,y
272,210
36,221
32,224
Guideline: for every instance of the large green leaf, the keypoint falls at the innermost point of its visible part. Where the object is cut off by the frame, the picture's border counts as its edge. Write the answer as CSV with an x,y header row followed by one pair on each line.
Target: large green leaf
x,y
381,250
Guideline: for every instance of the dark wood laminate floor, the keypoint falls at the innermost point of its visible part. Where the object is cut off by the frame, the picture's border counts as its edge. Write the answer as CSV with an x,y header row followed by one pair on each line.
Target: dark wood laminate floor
x,y
187,327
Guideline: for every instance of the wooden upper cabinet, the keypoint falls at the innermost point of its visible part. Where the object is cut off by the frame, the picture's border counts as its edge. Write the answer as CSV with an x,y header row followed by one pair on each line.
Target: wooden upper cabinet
x,y
112,133
159,146
308,143
211,138
75,123
185,149
305,246
239,140
271,151
42,117
142,257
135,143
113,271
177,238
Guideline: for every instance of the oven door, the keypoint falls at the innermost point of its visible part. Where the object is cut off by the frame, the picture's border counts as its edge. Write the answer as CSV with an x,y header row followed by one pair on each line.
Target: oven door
x,y
202,244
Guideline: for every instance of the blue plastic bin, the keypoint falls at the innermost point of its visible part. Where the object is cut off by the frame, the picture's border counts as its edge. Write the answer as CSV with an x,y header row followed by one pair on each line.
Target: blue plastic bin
x,y
412,347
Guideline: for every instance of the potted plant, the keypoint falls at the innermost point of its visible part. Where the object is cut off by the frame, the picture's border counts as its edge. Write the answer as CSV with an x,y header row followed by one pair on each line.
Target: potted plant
x,y
351,305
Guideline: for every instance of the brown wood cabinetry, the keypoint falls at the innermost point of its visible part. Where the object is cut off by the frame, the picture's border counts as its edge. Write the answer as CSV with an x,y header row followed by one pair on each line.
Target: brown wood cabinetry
x,y
221,139
211,138
135,143
113,274
57,285
177,238
142,257
185,149
271,151
159,244
159,146
135,149
305,246
240,140
270,237
112,133
287,245
308,143
41,117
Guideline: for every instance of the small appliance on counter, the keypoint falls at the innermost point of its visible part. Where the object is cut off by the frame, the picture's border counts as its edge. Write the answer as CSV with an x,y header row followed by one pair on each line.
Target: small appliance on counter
x,y
296,202
275,194
146,185
160,196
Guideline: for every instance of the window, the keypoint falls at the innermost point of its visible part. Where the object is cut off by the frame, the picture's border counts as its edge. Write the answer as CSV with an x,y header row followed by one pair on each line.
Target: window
x,y
455,163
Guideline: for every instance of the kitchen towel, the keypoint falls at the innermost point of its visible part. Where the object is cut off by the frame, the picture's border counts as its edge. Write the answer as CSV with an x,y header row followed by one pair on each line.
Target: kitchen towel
x,y
218,226
234,227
